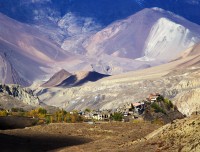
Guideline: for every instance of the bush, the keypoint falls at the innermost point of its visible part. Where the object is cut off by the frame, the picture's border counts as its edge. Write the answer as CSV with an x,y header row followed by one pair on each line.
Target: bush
x,y
3,113
87,110
37,113
48,119
67,118
17,110
42,111
168,103
157,108
117,116
160,98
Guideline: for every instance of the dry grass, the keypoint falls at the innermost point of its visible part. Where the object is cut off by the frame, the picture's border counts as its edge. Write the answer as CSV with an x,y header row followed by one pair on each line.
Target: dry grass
x,y
98,137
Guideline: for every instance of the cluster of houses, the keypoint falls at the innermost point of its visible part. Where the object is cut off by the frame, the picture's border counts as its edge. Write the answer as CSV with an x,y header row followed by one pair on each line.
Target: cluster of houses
x,y
103,115
134,110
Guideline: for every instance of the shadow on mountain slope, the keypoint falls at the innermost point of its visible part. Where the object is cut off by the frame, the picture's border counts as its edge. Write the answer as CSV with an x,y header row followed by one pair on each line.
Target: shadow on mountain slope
x,y
80,79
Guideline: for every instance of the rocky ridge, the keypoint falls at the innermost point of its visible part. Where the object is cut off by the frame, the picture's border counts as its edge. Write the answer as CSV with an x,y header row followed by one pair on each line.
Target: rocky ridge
x,y
14,96
23,94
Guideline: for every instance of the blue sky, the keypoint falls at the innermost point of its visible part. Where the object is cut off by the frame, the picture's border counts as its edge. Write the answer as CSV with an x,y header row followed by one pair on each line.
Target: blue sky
x,y
103,11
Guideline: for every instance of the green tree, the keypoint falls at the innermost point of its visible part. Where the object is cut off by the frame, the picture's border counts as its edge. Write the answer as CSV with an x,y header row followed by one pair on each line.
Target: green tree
x,y
168,103
42,111
160,98
157,108
117,116
87,110
67,118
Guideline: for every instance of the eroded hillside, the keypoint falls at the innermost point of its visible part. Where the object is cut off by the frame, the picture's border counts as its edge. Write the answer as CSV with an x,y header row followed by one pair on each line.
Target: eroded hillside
x,y
180,135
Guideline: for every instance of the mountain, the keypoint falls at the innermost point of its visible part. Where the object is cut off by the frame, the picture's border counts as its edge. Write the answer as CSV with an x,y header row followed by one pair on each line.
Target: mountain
x,y
86,15
34,53
190,57
80,78
57,78
76,30
25,52
151,34
177,80
65,79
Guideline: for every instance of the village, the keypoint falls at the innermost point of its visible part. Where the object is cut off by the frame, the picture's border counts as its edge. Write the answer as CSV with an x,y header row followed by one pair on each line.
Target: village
x,y
126,113
155,106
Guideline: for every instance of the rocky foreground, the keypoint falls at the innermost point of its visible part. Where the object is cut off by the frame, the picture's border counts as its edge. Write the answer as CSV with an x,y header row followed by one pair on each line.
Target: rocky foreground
x,y
181,135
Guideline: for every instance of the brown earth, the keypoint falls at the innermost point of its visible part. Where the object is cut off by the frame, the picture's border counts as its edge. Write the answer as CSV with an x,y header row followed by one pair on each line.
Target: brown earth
x,y
179,136
75,137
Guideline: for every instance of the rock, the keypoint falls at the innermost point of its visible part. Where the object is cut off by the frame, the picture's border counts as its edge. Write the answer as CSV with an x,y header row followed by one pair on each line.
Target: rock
x,y
16,96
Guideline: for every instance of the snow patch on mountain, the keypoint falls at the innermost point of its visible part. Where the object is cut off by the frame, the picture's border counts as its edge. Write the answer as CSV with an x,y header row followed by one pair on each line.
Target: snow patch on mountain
x,y
149,35
167,39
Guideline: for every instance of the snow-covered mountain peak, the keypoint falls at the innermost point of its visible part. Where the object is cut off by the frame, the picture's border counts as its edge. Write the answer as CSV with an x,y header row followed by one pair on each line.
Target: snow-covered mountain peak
x,y
165,36
151,34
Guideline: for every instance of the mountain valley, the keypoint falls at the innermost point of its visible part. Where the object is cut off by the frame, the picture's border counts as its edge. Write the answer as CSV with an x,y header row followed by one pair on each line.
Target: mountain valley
x,y
100,75
176,80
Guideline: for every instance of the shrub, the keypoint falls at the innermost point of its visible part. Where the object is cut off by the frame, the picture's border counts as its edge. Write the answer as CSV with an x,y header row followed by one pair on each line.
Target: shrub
x,y
42,111
3,113
87,110
67,118
157,108
117,116
17,110
160,98
168,103
48,119
37,113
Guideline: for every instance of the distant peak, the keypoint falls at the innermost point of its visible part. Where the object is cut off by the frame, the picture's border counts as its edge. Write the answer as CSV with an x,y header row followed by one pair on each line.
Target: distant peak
x,y
64,71
82,77
57,78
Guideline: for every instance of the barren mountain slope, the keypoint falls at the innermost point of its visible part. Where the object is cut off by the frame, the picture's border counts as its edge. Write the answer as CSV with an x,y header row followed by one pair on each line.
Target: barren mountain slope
x,y
30,40
170,79
57,78
180,135
25,52
81,78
